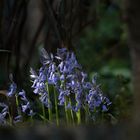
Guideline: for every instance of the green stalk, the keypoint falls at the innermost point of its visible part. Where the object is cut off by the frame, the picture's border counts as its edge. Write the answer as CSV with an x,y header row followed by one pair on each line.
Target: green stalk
x,y
56,107
71,112
10,119
65,106
17,104
66,112
78,114
43,113
86,114
31,119
49,101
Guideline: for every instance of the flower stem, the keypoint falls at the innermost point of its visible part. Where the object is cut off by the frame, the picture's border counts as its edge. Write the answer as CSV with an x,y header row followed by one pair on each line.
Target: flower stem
x,y
71,112
86,114
65,105
10,119
66,112
31,119
17,104
78,114
49,101
43,113
56,107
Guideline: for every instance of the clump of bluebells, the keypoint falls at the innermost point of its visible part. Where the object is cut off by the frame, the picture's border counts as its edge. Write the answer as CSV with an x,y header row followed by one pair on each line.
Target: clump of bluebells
x,y
72,91
63,90
17,104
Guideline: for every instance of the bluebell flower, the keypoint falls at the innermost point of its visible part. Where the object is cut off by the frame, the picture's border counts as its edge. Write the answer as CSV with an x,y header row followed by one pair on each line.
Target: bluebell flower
x,y
77,107
17,119
3,113
39,88
104,108
61,66
94,79
25,107
45,57
42,76
33,74
22,96
61,53
107,101
84,76
12,89
53,67
53,78
38,81
31,113
73,61
2,118
87,85
44,99
69,106
62,96
62,78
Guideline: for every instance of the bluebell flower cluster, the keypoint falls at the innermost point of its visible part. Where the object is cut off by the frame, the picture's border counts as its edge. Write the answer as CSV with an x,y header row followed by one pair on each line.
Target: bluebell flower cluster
x,y
73,90
12,89
95,98
3,113
23,107
39,85
66,75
